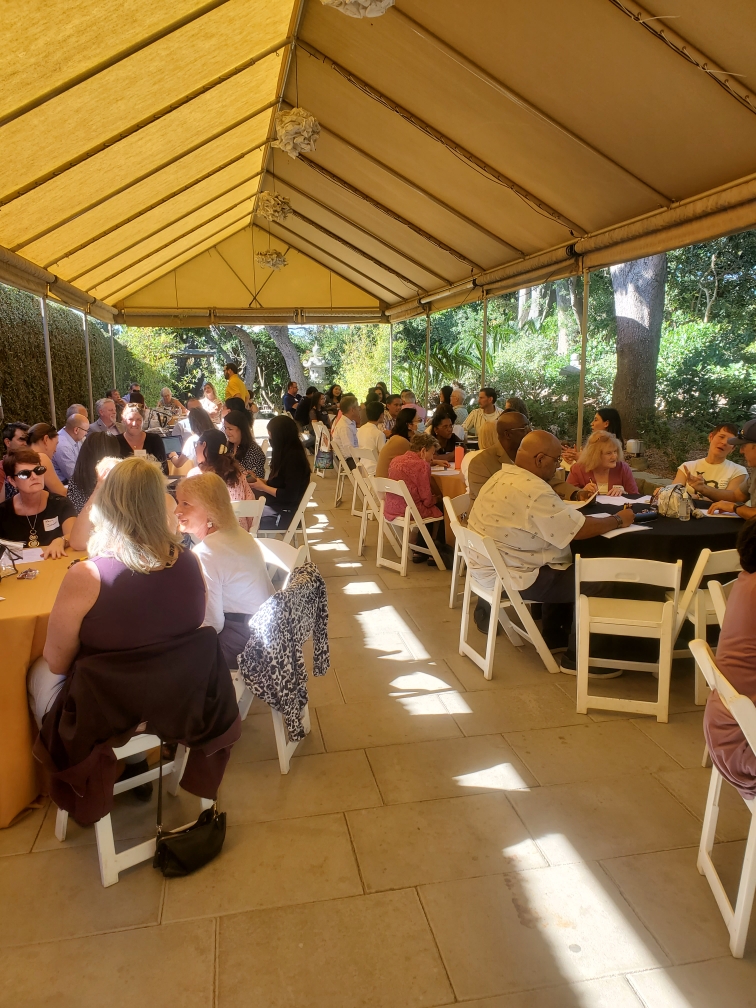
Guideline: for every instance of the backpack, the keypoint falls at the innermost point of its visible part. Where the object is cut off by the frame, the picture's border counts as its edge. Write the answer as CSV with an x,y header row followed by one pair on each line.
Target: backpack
x,y
671,502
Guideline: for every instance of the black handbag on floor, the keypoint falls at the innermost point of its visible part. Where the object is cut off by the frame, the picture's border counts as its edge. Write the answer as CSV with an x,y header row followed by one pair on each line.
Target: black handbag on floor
x,y
183,851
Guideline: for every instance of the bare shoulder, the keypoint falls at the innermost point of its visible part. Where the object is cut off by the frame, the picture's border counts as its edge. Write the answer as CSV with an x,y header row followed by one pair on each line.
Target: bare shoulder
x,y
82,577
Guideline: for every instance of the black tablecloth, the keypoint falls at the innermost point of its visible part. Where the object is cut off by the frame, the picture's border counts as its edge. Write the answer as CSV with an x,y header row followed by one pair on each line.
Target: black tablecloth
x,y
668,539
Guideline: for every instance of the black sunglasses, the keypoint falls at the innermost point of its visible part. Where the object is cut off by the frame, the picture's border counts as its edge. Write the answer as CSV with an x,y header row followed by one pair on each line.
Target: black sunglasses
x,y
24,474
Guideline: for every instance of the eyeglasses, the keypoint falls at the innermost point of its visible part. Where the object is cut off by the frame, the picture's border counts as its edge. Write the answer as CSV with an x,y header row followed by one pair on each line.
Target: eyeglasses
x,y
526,427
24,474
556,458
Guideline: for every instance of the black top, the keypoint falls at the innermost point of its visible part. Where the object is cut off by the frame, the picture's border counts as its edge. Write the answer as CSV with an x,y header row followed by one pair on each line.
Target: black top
x,y
291,482
451,444
253,460
77,497
48,524
153,445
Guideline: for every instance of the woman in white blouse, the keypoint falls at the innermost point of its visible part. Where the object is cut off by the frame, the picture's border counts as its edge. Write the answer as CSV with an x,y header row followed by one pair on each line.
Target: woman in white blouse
x,y
231,560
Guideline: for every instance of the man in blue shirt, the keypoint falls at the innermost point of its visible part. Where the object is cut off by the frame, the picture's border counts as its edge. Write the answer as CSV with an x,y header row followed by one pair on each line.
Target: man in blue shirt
x,y
291,398
70,439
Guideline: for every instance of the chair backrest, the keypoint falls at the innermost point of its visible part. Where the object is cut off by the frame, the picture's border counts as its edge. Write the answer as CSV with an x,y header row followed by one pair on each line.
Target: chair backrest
x,y
297,517
365,483
248,508
741,707
471,542
368,454
340,456
719,594
456,507
384,485
722,562
282,555
630,571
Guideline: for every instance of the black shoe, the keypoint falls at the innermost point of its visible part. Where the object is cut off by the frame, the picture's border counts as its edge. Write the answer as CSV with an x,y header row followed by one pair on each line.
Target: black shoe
x,y
144,791
569,666
419,557
482,618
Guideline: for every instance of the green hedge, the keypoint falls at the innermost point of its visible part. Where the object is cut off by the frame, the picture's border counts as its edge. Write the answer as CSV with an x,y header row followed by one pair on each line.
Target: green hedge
x,y
23,373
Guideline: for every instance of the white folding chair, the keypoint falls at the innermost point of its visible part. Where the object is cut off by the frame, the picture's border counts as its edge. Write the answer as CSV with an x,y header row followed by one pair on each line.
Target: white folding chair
x,y
476,551
343,473
297,525
317,429
457,508
699,608
720,593
408,522
278,556
112,864
627,618
249,509
742,709
371,510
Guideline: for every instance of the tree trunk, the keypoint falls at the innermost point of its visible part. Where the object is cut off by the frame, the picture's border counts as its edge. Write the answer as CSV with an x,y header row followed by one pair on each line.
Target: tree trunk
x,y
249,353
534,312
565,317
523,304
639,306
280,336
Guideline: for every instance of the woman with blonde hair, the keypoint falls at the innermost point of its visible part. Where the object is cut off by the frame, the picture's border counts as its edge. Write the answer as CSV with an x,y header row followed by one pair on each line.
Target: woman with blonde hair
x,y
136,441
232,562
601,467
139,589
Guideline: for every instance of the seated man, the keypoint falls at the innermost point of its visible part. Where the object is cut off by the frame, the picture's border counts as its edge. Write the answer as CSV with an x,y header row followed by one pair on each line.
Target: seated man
x,y
408,399
393,405
370,434
344,430
511,428
182,428
168,405
533,530
70,439
715,476
743,502
487,411
106,419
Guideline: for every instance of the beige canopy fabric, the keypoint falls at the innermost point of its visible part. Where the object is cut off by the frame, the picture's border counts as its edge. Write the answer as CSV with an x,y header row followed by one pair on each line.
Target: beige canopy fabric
x,y
464,148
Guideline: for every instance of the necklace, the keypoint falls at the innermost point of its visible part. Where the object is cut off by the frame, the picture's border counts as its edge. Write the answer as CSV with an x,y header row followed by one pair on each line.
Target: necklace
x,y
33,537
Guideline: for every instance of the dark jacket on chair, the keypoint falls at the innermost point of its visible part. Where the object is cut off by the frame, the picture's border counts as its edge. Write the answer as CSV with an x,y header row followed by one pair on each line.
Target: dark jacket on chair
x,y
180,691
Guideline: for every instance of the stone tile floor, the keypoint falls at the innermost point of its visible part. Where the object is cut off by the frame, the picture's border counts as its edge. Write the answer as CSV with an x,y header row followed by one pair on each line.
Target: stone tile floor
x,y
440,839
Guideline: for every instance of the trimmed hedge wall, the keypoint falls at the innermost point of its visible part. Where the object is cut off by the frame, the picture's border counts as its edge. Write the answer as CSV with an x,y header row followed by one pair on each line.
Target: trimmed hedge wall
x,y
23,373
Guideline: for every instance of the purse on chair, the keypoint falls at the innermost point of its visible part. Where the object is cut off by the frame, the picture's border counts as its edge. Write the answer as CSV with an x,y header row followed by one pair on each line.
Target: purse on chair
x,y
182,851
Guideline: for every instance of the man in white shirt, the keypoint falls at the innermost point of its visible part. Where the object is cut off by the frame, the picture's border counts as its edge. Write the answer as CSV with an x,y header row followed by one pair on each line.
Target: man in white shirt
x,y
715,476
457,401
106,419
182,428
70,440
344,431
487,411
533,528
370,435
743,503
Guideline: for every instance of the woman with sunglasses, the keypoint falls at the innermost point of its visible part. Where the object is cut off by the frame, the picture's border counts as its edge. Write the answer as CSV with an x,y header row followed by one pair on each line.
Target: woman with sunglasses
x,y
34,516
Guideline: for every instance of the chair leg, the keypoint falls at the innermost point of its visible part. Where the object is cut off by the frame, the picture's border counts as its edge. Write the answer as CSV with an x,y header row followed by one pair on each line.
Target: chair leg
x,y
306,719
742,915
305,540
61,825
106,852
665,668
179,765
454,577
493,626
706,758
583,654
363,529
431,544
245,702
711,815
405,546
465,614
282,745
701,690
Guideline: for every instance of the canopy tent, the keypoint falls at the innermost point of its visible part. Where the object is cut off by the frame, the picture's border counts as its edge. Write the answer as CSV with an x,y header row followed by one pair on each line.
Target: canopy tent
x,y
464,149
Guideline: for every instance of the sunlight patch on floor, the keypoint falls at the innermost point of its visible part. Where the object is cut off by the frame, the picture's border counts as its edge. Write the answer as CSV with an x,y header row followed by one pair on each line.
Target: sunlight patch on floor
x,y
419,681
337,545
385,630
362,588
502,777
456,704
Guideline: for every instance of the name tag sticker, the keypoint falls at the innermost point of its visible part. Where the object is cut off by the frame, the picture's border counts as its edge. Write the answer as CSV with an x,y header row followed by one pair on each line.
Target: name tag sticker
x,y
50,524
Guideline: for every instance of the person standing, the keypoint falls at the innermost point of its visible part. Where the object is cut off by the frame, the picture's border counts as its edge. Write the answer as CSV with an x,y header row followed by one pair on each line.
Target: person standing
x,y
70,439
291,398
235,387
106,419
487,411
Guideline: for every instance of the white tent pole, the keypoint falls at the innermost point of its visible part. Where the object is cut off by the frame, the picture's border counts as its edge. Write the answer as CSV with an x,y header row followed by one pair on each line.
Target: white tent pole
x,y
88,360
583,353
48,360
391,358
484,342
427,351
112,354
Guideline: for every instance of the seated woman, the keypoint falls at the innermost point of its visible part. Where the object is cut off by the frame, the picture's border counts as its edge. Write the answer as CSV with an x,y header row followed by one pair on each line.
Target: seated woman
x,y
139,592
601,467
414,468
43,439
445,407
213,454
210,402
310,410
34,516
199,422
94,449
374,395
333,399
289,474
606,419
736,660
440,428
235,574
399,439
135,441
516,404
241,441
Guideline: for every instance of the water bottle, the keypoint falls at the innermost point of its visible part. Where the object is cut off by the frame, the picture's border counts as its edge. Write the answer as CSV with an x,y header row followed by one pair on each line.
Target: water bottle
x,y
684,514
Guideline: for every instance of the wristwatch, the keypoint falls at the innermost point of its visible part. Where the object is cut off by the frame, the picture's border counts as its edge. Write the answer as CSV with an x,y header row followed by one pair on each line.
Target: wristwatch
x,y
619,520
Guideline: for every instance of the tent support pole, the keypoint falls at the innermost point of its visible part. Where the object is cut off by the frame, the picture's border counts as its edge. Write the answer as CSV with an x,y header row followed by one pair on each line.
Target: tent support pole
x,y
88,360
391,358
48,359
427,351
112,354
484,342
583,354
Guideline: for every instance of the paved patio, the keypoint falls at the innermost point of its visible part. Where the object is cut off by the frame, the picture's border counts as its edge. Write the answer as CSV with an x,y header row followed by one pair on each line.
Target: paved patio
x,y
439,839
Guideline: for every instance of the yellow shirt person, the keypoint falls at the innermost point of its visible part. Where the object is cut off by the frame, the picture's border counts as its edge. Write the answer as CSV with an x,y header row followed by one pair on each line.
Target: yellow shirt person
x,y
235,386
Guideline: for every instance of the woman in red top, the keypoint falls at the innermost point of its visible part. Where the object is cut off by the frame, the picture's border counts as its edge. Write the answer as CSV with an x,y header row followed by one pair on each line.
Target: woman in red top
x,y
601,467
414,468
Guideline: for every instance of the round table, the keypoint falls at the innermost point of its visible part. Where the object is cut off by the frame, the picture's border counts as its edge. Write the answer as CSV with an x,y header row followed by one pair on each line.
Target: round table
x,y
451,483
24,610
667,539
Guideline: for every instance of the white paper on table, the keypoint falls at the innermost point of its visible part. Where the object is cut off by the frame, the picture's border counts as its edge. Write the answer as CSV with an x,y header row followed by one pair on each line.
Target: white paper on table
x,y
444,472
31,556
600,514
580,503
608,499
722,514
621,531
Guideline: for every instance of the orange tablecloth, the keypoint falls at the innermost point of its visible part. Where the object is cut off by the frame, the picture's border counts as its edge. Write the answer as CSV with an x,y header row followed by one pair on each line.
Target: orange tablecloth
x,y
450,486
23,626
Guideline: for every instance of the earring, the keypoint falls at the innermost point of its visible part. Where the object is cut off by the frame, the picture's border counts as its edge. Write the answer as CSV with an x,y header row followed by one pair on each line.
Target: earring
x,y
209,524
